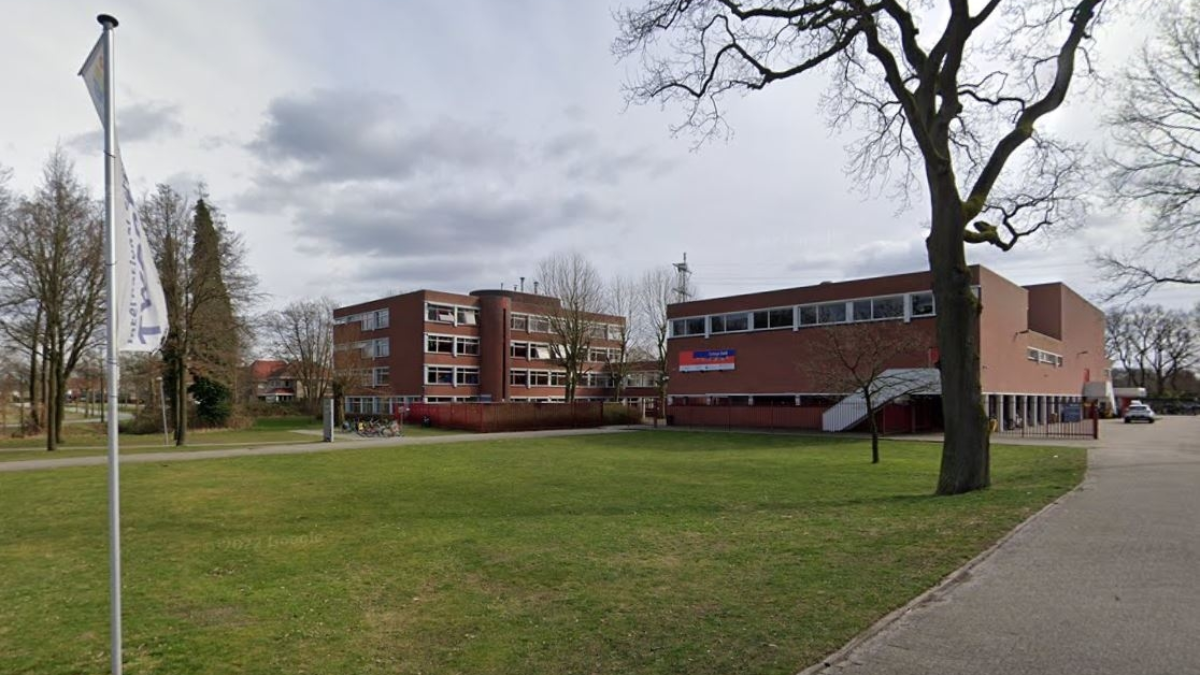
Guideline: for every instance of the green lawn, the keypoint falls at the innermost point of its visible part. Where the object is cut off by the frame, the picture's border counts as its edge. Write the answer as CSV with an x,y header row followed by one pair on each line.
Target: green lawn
x,y
647,552
84,440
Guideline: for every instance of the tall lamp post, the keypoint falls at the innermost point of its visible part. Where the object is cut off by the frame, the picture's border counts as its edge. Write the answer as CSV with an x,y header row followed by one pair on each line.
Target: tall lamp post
x,y
162,399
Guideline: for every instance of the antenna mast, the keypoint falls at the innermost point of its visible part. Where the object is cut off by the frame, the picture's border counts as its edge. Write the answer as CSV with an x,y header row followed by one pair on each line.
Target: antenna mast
x,y
683,275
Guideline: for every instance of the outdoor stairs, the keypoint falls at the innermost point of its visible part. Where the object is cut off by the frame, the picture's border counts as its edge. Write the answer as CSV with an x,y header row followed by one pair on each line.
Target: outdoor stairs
x,y
890,385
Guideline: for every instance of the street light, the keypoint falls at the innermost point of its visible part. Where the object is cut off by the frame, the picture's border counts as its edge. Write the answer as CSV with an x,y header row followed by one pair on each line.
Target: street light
x,y
162,398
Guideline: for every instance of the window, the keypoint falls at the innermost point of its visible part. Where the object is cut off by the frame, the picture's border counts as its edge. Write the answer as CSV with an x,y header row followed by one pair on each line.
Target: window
x,y
890,307
614,331
468,316
439,344
692,326
540,352
730,323
539,324
773,318
368,321
439,375
519,350
598,354
808,315
1059,361
518,378
439,313
922,304
539,378
831,312
862,310
519,322
597,331
380,376
374,349
466,376
382,318
466,346
558,378
1031,354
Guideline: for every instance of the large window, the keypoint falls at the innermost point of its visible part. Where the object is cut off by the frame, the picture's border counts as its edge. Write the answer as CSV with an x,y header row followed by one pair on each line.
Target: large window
x,y
439,375
831,312
767,319
466,346
380,377
692,326
539,378
922,304
468,316
558,378
889,307
439,313
439,344
540,351
466,376
519,322
730,323
539,324
518,378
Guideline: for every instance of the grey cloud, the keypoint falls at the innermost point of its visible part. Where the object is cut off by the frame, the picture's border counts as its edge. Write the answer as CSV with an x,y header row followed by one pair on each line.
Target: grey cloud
x,y
144,121
341,135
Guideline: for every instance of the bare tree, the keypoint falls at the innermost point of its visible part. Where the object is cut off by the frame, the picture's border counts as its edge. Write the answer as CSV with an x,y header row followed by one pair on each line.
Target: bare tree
x,y
572,279
657,289
622,301
1153,345
53,283
302,335
1157,130
945,94
862,358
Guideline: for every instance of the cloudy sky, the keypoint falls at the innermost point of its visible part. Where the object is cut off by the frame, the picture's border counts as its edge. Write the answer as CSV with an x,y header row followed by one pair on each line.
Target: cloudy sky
x,y
378,147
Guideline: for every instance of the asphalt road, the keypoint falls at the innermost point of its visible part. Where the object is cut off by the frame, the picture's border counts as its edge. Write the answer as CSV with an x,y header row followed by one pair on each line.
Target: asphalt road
x,y
1107,581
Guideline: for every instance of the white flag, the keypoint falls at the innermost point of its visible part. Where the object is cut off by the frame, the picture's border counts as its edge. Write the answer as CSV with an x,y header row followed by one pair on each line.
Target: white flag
x,y
141,306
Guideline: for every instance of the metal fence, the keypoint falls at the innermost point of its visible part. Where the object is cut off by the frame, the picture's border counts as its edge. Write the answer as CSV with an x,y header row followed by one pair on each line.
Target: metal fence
x,y
1072,420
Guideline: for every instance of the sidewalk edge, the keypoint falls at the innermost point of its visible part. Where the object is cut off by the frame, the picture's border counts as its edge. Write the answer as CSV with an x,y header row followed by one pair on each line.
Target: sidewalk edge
x,y
946,584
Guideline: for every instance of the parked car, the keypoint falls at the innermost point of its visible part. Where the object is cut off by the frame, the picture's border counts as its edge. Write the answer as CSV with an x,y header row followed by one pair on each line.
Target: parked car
x,y
1139,412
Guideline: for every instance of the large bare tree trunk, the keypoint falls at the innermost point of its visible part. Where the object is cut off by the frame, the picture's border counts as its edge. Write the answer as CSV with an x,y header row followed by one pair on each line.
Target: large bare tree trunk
x,y
965,451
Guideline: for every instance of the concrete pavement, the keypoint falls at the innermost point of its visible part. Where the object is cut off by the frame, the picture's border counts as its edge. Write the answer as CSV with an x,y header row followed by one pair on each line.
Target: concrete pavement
x,y
1106,581
285,449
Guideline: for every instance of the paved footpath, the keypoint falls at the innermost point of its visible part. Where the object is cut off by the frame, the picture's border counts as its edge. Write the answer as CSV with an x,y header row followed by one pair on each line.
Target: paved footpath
x,y
1105,582
298,449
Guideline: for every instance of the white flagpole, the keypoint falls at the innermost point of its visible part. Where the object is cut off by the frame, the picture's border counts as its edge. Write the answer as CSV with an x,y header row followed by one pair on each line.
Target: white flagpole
x,y
110,266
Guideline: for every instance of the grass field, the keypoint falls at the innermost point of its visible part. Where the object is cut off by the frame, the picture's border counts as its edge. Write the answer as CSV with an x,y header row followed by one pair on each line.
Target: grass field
x,y
89,439
646,552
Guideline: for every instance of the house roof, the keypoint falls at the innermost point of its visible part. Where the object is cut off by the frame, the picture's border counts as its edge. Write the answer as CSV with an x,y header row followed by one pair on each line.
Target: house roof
x,y
263,369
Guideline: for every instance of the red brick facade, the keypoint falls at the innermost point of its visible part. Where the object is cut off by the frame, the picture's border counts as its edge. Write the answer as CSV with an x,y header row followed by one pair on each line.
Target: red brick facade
x,y
491,345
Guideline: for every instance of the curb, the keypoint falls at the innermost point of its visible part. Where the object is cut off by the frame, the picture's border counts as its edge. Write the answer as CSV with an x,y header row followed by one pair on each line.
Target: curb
x,y
942,587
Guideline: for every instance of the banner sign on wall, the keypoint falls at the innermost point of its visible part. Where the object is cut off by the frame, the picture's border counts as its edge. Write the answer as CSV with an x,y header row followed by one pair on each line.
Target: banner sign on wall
x,y
710,359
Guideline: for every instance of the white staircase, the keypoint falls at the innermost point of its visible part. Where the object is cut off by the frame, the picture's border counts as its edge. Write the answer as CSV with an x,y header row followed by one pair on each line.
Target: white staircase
x,y
890,385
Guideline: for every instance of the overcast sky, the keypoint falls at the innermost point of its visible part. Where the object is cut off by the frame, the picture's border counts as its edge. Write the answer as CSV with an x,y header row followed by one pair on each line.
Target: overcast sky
x,y
367,148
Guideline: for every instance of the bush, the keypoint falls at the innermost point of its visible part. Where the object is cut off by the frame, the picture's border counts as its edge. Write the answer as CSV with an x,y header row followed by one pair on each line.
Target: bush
x,y
619,413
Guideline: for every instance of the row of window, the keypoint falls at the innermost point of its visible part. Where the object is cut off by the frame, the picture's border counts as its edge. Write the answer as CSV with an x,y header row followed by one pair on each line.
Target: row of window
x,y
458,345
377,405
371,349
888,307
458,315
369,320
1043,356
544,351
451,375
532,323
557,378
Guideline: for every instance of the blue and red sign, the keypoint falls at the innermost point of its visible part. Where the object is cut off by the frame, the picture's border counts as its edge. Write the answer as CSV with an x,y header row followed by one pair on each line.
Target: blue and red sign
x,y
706,360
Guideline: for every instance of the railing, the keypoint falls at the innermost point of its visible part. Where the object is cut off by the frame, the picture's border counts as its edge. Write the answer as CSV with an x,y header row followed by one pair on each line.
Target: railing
x,y
1071,420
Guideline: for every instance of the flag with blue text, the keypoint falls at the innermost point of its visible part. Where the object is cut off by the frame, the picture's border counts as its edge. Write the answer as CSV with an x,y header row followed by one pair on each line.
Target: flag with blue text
x,y
141,305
